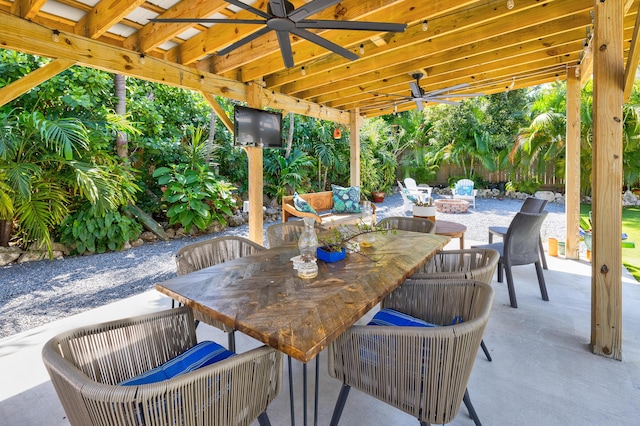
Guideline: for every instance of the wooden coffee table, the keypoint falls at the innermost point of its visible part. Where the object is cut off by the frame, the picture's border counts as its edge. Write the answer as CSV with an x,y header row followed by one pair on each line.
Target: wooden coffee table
x,y
451,229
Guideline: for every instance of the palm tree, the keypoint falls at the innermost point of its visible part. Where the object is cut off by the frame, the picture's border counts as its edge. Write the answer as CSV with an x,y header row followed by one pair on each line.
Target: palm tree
x,y
44,173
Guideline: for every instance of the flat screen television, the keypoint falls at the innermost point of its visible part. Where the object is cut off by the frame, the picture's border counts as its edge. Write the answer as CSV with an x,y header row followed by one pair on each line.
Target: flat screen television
x,y
257,127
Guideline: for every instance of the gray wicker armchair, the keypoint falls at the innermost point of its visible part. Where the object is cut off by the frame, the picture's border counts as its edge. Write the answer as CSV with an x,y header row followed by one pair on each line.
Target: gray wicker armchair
x,y
468,264
421,371
287,232
414,224
86,365
203,254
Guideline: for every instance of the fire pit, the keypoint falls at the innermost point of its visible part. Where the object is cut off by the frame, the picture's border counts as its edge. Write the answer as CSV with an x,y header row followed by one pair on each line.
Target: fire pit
x,y
451,206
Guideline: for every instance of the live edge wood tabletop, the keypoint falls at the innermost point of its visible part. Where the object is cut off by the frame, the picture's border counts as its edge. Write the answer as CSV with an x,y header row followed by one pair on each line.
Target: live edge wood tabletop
x,y
261,295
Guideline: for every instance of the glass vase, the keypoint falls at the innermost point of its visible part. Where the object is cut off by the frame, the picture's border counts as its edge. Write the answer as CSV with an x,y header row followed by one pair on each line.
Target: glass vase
x,y
307,244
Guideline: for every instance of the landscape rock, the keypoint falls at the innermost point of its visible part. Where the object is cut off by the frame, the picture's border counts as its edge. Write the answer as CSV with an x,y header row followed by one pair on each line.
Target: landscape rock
x,y
148,236
235,221
550,196
9,255
137,243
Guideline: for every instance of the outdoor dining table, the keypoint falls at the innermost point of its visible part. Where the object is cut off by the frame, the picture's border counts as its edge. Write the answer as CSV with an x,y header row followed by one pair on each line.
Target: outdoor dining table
x,y
262,296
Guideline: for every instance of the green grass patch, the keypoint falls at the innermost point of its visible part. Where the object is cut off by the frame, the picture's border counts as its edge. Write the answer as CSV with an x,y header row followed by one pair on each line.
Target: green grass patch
x,y
630,226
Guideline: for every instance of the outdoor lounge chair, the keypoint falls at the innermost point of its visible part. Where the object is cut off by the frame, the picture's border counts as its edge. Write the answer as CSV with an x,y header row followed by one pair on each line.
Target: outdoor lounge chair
x,y
420,369
464,190
520,247
203,254
90,367
413,188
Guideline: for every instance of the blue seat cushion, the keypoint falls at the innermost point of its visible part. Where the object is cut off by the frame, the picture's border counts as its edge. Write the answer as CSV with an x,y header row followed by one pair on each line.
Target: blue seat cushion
x,y
203,354
390,317
464,190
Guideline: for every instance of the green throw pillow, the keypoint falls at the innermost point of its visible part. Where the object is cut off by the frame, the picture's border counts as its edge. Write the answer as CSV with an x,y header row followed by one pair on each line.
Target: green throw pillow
x,y
346,200
301,205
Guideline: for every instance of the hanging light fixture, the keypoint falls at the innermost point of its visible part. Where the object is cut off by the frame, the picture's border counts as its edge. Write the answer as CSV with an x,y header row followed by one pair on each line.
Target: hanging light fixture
x,y
511,4
55,36
143,58
362,49
425,25
303,71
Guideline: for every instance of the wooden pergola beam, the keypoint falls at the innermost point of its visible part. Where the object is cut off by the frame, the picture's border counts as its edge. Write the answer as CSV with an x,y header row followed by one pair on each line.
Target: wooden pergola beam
x,y
632,59
22,35
33,79
219,111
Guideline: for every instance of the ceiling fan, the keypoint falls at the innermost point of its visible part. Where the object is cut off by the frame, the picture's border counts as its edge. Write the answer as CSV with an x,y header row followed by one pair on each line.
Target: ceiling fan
x,y
440,96
284,19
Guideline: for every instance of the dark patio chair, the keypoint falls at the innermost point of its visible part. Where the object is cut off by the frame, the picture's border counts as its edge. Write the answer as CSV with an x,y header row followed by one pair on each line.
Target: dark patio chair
x,y
422,363
203,254
520,247
414,224
530,205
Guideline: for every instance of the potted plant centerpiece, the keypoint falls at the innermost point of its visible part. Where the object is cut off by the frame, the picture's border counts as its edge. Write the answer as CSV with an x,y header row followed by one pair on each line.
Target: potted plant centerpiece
x,y
333,247
425,209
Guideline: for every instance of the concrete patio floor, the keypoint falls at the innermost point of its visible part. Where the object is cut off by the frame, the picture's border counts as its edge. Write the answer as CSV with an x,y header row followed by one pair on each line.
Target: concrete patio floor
x,y
542,371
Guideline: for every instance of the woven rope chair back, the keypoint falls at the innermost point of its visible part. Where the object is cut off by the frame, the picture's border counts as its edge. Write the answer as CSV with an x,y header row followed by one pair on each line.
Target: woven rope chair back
x,y
414,224
287,232
194,257
469,264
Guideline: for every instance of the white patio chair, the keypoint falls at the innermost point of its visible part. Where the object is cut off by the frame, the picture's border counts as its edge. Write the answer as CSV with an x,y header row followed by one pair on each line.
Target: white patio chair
x,y
413,188
464,190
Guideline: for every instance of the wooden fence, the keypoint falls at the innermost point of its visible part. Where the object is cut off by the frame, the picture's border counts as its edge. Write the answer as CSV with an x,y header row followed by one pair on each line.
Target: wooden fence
x,y
547,180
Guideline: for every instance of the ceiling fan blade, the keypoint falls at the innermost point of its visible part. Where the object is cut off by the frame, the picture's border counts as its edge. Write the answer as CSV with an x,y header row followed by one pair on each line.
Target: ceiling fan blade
x,y
419,104
210,20
352,25
243,41
285,48
311,8
278,8
415,89
447,89
249,8
442,101
329,45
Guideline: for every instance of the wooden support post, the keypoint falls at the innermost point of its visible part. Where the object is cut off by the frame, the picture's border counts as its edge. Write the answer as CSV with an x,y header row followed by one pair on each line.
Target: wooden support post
x,y
572,169
608,91
256,184
354,143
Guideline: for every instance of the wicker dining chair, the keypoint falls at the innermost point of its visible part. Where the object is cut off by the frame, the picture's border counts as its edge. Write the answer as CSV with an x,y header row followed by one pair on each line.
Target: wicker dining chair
x,y
414,224
422,371
282,233
203,254
530,205
467,264
88,366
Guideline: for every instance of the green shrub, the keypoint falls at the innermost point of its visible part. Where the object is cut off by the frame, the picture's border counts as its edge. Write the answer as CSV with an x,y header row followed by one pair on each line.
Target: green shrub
x,y
89,231
194,195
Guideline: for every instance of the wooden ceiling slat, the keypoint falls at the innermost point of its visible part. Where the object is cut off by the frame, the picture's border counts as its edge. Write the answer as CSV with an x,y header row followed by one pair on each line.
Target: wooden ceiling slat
x,y
104,15
417,55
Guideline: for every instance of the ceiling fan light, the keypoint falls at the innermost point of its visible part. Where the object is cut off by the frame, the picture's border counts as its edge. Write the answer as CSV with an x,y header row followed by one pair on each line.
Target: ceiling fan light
x,y
511,4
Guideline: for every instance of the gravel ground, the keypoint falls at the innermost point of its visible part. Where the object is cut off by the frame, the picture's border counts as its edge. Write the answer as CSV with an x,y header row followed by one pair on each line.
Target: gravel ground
x,y
34,293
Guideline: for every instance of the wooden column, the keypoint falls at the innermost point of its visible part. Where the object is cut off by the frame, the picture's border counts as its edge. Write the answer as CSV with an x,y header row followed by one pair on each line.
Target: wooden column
x,y
606,280
256,185
572,169
355,122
